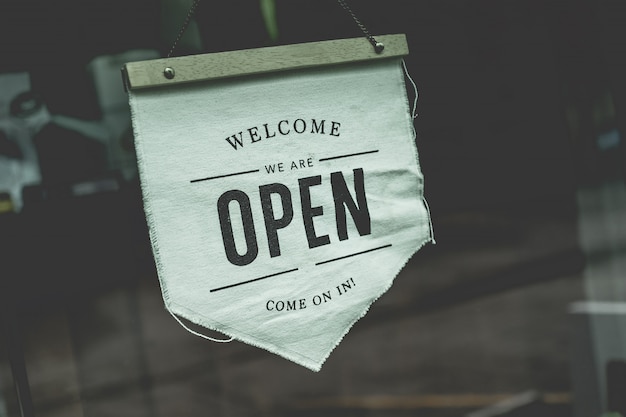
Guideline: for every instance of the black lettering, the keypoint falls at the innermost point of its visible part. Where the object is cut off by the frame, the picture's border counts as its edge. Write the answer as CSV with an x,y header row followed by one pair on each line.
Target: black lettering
x,y
308,212
280,129
272,224
315,128
254,134
236,140
267,132
334,128
295,126
359,211
226,227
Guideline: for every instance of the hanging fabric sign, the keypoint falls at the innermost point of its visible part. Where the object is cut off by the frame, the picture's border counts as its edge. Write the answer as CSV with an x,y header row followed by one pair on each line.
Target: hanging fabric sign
x,y
281,205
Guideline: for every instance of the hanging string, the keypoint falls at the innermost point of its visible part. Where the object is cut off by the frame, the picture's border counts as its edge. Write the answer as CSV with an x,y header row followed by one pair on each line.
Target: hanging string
x,y
378,46
190,14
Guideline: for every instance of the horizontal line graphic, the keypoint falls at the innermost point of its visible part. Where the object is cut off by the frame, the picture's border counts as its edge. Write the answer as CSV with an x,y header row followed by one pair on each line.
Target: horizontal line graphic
x,y
347,156
225,175
353,254
252,280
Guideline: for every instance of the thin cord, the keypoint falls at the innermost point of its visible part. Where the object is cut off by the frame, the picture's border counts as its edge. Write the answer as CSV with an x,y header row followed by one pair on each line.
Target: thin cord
x,y
190,14
378,46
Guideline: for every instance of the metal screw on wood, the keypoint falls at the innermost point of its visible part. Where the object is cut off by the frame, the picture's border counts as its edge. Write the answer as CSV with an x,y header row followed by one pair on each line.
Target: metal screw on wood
x,y
169,73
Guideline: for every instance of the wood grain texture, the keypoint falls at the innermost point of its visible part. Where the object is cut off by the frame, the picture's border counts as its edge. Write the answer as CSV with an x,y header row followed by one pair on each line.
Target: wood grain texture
x,y
145,74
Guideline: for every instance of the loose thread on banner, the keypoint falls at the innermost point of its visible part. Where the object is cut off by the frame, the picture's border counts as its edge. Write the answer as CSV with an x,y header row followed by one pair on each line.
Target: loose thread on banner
x,y
430,222
414,115
212,339
406,72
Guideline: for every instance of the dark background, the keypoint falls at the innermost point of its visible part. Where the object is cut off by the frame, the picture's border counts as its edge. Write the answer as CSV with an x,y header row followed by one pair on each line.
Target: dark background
x,y
512,101
496,79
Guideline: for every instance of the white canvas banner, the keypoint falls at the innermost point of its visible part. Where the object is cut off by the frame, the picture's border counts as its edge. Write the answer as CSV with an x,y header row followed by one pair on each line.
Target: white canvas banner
x,y
281,206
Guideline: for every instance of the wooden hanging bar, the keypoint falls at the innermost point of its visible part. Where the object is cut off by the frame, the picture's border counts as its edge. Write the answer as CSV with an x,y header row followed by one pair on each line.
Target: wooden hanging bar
x,y
170,71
